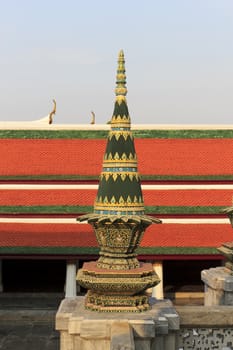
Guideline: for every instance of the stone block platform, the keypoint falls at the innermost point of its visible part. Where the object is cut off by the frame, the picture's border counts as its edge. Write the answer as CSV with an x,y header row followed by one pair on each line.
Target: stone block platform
x,y
154,329
218,286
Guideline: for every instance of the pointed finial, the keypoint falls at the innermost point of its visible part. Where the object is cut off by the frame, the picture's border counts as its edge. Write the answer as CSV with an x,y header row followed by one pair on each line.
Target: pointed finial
x,y
92,117
121,89
53,112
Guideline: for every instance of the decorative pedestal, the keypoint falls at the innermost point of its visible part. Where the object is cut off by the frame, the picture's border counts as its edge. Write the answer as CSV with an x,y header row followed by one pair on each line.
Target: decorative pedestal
x,y
87,330
218,286
120,291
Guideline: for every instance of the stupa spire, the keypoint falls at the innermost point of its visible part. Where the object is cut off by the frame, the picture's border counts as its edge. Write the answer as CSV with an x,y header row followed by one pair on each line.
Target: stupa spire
x,y
120,117
119,190
121,89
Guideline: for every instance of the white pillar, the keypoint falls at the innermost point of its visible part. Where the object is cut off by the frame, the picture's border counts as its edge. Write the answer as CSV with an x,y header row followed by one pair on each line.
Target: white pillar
x,y
157,291
77,285
70,286
1,284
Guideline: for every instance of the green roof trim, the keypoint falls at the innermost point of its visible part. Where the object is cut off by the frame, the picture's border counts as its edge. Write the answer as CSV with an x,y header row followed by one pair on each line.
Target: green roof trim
x,y
96,177
45,209
95,250
53,134
184,134
77,209
184,209
50,250
102,134
177,250
48,177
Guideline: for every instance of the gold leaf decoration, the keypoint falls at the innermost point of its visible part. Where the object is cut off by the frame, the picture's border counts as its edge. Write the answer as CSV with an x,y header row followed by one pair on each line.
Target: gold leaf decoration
x,y
113,200
121,200
106,175
131,176
124,156
105,200
129,200
110,156
115,176
123,176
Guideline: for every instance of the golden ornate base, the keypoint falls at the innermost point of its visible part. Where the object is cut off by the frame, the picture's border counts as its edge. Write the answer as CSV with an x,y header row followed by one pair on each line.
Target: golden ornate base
x,y
123,291
118,303
121,262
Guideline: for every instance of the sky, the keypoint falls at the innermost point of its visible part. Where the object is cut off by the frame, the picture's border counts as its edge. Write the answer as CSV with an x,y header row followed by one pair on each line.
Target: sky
x,y
178,53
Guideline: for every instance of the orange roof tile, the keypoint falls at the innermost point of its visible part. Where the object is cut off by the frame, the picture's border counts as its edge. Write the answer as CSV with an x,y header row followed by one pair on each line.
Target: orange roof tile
x,y
84,156
189,235
82,235
86,197
185,156
51,156
47,197
46,235
183,197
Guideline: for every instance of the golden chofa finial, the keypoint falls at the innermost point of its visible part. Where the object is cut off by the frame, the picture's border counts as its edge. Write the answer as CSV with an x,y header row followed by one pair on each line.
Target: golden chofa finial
x,y
53,112
92,117
121,89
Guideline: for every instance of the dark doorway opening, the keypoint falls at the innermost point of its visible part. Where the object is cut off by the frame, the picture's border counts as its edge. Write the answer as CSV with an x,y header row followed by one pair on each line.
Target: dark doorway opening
x,y
34,275
185,275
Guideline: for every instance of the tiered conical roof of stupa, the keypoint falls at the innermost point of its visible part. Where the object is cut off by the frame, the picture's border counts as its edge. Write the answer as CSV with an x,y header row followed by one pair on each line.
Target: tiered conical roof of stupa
x,y
119,194
119,190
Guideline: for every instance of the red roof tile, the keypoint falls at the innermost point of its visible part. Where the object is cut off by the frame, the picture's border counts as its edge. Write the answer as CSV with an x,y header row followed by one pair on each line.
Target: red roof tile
x,y
51,156
188,197
185,156
86,197
82,235
84,157
47,197
46,235
187,235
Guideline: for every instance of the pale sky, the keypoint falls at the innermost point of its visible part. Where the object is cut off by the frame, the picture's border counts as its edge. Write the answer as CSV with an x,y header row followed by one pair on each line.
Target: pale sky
x,y
179,59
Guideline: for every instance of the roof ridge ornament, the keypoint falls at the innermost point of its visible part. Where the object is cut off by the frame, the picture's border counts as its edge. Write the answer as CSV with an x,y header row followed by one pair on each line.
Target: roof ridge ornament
x,y
53,112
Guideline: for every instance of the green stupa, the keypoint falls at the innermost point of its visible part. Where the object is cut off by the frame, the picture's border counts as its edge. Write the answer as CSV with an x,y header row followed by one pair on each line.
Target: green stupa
x,y
119,195
119,221
119,190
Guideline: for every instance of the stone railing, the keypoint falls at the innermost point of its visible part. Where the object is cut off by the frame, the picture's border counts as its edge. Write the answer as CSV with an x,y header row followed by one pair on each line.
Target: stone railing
x,y
205,328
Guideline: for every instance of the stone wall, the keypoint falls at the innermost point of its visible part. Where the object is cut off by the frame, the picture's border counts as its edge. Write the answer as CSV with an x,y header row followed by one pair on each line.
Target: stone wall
x,y
205,328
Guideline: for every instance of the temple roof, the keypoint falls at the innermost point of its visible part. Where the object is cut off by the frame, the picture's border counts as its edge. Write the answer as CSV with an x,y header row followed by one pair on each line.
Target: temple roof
x,y
193,179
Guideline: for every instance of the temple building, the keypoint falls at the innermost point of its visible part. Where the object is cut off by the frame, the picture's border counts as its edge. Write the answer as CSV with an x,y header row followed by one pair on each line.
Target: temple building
x,y
50,174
